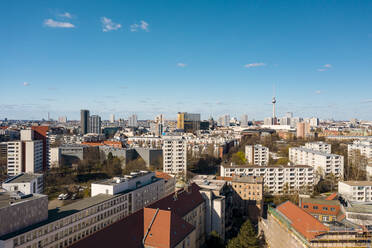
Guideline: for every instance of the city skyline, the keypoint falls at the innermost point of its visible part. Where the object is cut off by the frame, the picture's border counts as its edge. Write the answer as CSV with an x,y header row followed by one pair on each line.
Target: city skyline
x,y
214,59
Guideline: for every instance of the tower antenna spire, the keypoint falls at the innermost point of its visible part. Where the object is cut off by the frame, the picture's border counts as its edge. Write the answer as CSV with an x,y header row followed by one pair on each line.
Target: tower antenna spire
x,y
273,102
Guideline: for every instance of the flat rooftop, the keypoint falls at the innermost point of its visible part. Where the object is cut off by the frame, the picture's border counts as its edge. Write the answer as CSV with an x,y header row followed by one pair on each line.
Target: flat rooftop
x,y
247,179
64,211
316,152
23,178
358,183
209,182
227,165
359,208
125,178
320,201
6,199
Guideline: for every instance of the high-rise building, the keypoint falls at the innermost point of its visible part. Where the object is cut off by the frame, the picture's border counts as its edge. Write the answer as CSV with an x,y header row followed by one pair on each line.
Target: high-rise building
x,y
188,122
95,124
314,122
224,121
174,155
42,133
303,130
244,120
84,121
257,154
62,119
25,155
132,121
112,118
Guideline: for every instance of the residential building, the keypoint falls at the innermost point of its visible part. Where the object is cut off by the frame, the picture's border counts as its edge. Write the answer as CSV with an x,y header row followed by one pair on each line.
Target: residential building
x,y
84,121
224,121
174,155
176,221
324,164
364,147
218,202
290,226
319,146
95,124
18,211
25,155
356,191
248,195
303,130
55,157
257,154
62,119
314,122
322,209
112,118
25,183
169,182
188,122
278,179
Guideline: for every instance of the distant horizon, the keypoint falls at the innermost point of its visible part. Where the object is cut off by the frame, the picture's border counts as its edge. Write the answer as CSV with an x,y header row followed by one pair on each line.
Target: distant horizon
x,y
149,57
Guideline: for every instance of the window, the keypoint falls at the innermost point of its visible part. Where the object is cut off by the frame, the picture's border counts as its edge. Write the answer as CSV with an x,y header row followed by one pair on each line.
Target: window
x,y
315,207
325,208
306,206
333,209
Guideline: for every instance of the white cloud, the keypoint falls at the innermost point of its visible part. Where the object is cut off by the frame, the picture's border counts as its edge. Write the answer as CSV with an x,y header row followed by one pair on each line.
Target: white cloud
x,y
109,25
181,65
26,84
318,92
257,64
139,26
66,15
325,67
56,24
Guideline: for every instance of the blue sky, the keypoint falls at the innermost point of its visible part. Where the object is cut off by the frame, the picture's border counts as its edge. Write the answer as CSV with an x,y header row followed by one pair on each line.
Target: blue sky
x,y
211,57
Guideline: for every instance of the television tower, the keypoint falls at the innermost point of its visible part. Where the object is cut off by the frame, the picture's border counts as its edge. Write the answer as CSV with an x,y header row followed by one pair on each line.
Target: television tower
x,y
274,114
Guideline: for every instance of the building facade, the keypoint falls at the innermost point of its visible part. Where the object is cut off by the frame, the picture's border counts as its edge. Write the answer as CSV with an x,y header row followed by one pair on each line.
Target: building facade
x,y
174,155
95,124
84,121
257,154
277,179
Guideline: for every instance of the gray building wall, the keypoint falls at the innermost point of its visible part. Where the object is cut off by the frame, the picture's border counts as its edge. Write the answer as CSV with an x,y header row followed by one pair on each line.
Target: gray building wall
x,y
17,216
149,155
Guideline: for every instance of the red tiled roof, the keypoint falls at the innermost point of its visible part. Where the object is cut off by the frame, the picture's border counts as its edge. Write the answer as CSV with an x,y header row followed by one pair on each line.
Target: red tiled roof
x,y
163,175
186,201
129,231
332,196
224,178
302,221
167,229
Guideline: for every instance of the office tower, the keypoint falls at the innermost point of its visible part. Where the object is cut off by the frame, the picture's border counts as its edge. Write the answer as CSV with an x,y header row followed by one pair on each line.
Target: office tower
x,y
285,121
257,154
188,122
42,133
303,130
84,121
112,118
132,121
224,121
95,124
62,119
314,122
268,121
174,155
244,120
289,115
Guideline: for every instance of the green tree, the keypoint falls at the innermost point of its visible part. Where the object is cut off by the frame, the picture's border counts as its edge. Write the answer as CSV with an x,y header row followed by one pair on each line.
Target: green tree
x,y
214,240
239,158
246,237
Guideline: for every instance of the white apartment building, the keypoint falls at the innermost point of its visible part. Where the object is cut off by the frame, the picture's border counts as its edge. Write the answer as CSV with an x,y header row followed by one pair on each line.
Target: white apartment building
x,y
25,183
95,124
319,146
132,121
257,154
364,146
14,157
323,163
277,179
33,156
356,191
73,222
25,155
55,156
174,155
